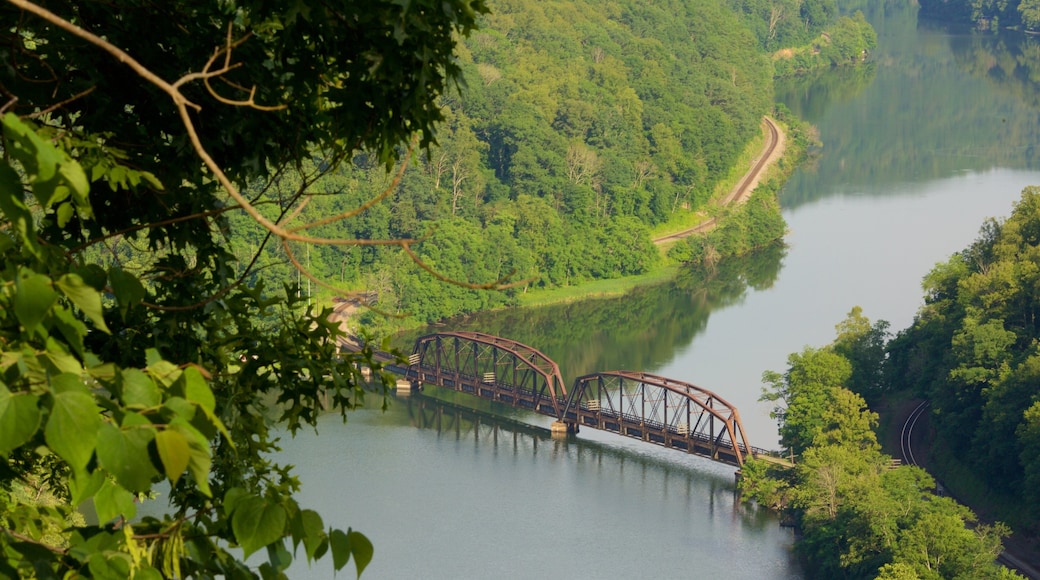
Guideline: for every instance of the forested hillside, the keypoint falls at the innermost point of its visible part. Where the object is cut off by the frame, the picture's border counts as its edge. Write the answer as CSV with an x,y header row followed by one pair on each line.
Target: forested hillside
x,y
580,125
974,352
859,514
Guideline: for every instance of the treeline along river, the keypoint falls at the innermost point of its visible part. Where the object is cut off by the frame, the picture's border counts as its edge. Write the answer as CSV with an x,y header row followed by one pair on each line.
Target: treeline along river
x,y
937,134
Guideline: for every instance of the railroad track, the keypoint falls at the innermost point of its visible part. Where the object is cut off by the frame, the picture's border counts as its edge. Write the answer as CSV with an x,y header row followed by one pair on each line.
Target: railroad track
x,y
743,189
905,436
907,450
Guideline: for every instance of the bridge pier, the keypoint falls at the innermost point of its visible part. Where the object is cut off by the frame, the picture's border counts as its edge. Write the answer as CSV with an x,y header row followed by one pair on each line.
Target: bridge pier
x,y
563,429
405,387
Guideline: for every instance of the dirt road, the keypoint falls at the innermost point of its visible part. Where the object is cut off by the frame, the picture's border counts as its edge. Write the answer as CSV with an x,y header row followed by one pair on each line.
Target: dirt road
x,y
771,151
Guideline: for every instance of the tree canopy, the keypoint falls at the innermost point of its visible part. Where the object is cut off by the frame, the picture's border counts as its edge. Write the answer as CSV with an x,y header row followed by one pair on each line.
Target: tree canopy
x,y
972,351
132,352
860,514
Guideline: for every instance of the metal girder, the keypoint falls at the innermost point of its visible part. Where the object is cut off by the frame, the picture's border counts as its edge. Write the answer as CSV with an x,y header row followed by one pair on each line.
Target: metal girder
x,y
661,410
474,362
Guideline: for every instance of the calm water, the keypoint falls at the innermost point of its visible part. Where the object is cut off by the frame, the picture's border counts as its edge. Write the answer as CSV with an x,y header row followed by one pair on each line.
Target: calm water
x,y
935,136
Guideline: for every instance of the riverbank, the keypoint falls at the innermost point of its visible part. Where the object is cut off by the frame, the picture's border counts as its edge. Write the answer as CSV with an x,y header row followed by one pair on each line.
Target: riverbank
x,y
761,158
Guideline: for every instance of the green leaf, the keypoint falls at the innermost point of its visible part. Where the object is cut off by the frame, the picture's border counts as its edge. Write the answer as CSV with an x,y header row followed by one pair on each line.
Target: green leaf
x,y
83,485
138,389
76,179
19,419
199,460
164,372
103,372
39,158
256,523
231,499
340,544
181,408
127,288
72,428
71,328
12,203
362,549
124,454
65,212
60,360
112,501
279,558
33,298
174,452
52,172
197,390
313,532
94,275
85,297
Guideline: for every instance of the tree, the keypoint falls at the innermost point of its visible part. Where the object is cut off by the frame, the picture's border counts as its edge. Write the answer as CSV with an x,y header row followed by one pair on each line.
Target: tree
x,y
807,390
1030,11
863,344
123,368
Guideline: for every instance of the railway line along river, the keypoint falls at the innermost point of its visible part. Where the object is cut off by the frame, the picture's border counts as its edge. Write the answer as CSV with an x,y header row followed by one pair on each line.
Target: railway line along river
x,y
919,148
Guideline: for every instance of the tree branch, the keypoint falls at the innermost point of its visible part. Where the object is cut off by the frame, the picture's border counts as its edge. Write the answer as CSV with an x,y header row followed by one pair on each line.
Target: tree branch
x,y
183,104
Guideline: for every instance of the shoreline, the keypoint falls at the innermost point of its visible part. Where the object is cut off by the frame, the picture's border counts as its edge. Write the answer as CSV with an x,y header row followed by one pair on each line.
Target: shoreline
x,y
772,151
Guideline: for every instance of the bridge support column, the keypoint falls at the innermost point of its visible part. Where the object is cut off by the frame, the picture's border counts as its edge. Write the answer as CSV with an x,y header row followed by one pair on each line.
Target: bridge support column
x,y
405,388
562,429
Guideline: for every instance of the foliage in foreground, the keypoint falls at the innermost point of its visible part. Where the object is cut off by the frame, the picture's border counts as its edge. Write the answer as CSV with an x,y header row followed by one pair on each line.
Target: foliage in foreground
x,y
860,515
151,361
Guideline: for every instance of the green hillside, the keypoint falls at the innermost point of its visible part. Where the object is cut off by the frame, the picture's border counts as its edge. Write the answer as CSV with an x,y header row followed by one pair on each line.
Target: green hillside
x,y
579,126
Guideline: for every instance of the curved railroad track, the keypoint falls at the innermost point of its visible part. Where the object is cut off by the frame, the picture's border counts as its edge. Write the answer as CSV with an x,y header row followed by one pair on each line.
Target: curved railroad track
x,y
906,449
905,444
742,191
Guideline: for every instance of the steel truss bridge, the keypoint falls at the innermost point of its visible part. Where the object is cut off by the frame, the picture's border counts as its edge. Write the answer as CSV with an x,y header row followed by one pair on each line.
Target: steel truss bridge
x,y
644,406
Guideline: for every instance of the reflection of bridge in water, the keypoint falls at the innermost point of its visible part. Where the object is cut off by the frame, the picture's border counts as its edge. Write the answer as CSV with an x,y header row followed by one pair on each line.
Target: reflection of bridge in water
x,y
652,408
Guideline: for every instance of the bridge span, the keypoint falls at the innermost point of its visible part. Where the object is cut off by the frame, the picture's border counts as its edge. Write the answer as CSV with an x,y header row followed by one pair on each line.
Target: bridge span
x,y
655,409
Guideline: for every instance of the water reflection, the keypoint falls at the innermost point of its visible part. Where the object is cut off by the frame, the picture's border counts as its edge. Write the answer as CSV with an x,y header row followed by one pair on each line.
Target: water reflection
x,y
1010,62
639,331
447,491
940,104
685,478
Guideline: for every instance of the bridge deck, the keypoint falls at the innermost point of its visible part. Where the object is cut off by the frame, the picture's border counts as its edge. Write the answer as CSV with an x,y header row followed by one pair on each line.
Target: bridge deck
x,y
603,419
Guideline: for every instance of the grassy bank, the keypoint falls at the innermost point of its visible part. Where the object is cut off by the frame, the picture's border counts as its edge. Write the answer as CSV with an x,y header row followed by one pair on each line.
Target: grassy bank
x,y
684,220
598,288
792,155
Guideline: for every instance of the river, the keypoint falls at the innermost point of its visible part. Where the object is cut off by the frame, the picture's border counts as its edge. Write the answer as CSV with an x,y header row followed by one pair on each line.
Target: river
x,y
937,134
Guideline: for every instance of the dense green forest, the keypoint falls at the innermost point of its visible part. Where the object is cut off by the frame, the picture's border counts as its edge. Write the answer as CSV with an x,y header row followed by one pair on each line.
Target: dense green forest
x,y
578,128
985,14
860,515
973,353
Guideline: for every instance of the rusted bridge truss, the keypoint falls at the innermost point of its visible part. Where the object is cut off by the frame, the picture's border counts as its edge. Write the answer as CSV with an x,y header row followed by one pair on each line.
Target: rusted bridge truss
x,y
489,367
655,409
659,410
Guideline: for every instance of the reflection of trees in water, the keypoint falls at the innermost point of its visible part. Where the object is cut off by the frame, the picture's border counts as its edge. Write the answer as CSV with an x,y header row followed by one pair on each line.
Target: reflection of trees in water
x,y
809,96
639,331
1011,62
926,114
684,480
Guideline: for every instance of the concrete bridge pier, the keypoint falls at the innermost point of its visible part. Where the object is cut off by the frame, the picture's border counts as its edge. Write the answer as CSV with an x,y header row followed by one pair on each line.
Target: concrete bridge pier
x,y
406,387
563,429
